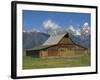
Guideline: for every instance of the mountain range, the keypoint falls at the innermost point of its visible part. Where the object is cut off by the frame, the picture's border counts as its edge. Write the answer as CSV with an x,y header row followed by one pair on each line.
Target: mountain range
x,y
34,39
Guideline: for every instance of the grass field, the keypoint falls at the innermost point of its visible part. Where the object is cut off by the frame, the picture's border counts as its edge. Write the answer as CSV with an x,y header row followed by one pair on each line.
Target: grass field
x,y
36,63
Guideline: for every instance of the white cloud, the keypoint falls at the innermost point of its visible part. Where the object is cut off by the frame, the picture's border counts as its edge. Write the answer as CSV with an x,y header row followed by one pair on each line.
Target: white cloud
x,y
71,29
49,24
51,27
86,24
86,28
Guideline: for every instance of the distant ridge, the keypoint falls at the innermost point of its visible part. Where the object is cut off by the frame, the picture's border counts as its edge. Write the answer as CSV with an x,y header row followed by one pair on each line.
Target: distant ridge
x,y
33,39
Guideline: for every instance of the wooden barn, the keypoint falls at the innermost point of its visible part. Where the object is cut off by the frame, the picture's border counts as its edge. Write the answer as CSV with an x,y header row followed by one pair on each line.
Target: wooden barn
x,y
57,46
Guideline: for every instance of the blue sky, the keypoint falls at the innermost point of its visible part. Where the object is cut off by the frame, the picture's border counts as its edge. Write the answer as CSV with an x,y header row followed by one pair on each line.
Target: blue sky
x,y
34,19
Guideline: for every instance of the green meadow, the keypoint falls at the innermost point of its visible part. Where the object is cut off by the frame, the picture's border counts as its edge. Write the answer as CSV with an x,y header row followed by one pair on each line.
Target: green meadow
x,y
30,62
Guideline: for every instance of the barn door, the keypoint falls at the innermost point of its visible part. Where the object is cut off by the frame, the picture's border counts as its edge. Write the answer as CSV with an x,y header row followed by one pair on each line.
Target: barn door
x,y
52,52
32,53
62,51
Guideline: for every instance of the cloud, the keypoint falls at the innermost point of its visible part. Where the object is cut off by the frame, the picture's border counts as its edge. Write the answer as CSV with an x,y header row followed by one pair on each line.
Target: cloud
x,y
49,24
86,24
31,30
74,31
70,29
51,27
85,28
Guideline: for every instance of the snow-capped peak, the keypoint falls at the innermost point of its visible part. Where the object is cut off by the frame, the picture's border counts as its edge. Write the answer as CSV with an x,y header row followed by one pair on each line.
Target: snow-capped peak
x,y
78,32
72,28
86,28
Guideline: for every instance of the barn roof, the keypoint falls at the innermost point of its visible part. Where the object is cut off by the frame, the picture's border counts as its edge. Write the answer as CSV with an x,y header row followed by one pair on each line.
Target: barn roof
x,y
53,40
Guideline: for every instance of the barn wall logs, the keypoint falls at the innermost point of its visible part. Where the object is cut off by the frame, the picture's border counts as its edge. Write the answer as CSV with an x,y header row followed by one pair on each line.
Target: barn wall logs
x,y
62,51
44,53
64,48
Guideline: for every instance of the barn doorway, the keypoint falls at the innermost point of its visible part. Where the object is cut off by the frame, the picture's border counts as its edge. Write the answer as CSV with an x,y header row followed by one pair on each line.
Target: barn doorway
x,y
32,53
52,52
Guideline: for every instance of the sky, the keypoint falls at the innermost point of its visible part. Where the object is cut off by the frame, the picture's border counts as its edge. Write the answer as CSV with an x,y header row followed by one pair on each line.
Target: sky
x,y
36,19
